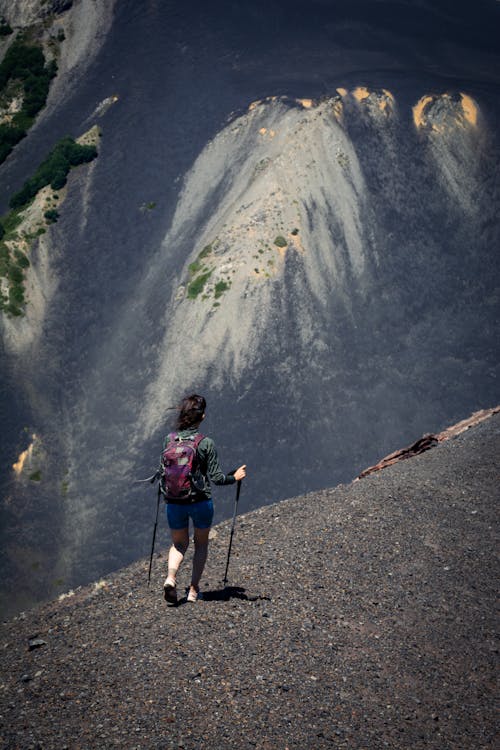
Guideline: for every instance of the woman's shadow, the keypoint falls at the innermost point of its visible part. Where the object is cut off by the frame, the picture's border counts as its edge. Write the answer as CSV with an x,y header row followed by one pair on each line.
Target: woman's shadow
x,y
230,592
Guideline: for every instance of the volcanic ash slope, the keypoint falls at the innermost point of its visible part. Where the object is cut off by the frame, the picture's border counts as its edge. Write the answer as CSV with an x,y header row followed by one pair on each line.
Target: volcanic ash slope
x,y
359,617
265,177
277,219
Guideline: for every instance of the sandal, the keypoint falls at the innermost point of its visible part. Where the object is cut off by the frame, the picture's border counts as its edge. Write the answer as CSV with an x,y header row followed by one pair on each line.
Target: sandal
x,y
193,596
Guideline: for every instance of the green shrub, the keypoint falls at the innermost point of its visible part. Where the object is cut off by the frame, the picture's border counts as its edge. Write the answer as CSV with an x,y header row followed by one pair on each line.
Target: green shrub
x,y
15,275
11,221
280,241
51,215
2,230
194,267
21,60
9,137
16,295
220,288
196,286
59,180
25,63
5,28
13,310
54,169
295,231
22,260
36,476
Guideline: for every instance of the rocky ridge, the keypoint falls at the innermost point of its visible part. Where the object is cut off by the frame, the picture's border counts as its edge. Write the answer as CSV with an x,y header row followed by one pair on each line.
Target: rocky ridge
x,y
280,198
356,617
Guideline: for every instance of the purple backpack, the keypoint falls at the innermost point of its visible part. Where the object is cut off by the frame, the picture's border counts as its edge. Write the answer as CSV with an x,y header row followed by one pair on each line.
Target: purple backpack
x,y
180,471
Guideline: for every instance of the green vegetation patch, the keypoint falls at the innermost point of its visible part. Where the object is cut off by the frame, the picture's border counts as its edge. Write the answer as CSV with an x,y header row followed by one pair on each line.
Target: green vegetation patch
x,y
194,267
206,251
54,169
36,476
51,216
201,273
200,270
280,241
23,72
195,287
5,28
10,223
12,268
13,262
221,287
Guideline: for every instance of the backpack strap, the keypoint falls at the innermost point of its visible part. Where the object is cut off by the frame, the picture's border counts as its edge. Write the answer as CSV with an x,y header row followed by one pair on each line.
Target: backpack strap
x,y
196,441
197,478
168,439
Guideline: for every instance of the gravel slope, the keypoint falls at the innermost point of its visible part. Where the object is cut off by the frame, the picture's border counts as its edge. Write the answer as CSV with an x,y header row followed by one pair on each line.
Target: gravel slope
x,y
358,617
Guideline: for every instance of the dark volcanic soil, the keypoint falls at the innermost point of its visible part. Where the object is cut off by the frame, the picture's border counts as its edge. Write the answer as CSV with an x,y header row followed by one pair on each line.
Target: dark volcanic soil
x,y
359,617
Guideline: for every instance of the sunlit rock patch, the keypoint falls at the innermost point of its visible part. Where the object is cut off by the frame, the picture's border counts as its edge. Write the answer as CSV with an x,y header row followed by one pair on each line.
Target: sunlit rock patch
x,y
29,461
449,123
446,111
373,102
104,105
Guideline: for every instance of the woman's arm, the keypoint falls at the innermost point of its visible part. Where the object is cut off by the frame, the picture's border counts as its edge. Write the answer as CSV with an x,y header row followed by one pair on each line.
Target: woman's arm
x,y
210,464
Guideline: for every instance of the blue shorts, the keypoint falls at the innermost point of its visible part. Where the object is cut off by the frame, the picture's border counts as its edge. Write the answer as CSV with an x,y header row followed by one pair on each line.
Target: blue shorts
x,y
201,513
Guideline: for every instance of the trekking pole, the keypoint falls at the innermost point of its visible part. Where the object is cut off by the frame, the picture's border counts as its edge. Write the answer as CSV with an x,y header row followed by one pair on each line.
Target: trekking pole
x,y
238,490
154,534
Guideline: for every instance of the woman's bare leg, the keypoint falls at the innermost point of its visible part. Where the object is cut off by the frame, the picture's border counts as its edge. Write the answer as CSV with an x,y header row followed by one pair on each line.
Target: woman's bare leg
x,y
199,558
180,543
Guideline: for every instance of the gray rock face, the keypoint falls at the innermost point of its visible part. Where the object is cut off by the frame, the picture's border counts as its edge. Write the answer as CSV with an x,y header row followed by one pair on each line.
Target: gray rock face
x,y
26,12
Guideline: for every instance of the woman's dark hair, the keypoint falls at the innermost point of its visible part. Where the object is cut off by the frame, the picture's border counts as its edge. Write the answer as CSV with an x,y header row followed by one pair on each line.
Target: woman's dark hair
x,y
191,411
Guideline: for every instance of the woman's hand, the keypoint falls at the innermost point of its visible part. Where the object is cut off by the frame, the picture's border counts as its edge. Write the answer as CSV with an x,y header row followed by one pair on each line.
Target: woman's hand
x,y
240,473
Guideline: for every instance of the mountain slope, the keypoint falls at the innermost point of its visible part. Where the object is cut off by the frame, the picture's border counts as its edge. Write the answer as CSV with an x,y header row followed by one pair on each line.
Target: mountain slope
x,y
325,270
356,617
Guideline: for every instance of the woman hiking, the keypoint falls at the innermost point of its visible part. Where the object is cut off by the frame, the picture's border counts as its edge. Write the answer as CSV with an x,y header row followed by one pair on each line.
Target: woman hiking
x,y
197,501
